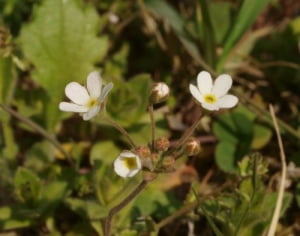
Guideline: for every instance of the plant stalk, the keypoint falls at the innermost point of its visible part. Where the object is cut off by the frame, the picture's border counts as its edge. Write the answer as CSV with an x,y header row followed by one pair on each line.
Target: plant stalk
x,y
121,205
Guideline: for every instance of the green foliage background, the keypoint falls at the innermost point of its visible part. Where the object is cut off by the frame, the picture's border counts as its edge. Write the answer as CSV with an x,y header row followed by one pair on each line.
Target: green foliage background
x,y
225,188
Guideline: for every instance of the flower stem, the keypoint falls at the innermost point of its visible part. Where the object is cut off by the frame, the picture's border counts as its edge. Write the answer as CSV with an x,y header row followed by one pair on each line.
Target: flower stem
x,y
39,129
187,134
121,130
121,205
151,113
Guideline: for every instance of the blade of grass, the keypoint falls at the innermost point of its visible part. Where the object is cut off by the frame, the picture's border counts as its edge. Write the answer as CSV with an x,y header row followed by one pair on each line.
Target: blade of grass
x,y
165,11
247,14
279,201
209,35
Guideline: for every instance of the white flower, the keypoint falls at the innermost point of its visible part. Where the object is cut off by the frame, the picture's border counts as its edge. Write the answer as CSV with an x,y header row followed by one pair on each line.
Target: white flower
x,y
213,96
87,101
127,164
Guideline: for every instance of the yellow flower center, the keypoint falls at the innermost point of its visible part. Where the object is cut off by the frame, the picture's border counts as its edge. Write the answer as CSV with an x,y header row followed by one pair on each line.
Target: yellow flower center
x,y
92,102
210,98
130,162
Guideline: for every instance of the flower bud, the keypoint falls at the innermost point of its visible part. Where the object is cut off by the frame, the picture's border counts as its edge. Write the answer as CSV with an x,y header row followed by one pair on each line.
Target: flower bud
x,y
143,151
168,162
192,147
159,93
162,144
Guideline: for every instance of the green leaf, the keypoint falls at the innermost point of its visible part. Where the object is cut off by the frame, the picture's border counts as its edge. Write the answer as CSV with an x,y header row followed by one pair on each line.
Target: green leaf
x,y
61,42
225,156
246,16
209,33
88,208
117,65
27,184
15,217
129,233
8,79
262,136
52,195
105,151
234,131
128,101
221,19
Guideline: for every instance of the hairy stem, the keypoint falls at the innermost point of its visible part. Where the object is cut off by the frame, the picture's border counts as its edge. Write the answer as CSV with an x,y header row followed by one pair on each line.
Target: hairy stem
x,y
121,205
151,113
121,130
187,134
39,129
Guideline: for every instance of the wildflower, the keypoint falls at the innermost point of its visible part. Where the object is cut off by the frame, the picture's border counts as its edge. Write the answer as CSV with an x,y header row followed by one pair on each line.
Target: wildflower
x,y
159,93
87,101
213,96
127,164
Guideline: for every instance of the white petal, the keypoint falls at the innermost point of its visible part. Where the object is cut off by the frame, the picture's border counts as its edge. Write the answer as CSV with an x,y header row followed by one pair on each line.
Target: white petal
x,y
66,106
227,101
210,107
121,169
196,93
77,93
133,172
91,113
222,85
204,82
105,91
94,84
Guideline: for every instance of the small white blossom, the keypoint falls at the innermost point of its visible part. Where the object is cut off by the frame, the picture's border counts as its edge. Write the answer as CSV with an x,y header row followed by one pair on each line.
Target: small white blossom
x,y
127,164
87,101
159,93
213,95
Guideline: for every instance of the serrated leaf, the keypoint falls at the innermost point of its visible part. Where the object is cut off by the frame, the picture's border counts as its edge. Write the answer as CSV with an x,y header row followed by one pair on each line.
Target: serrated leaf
x,y
61,42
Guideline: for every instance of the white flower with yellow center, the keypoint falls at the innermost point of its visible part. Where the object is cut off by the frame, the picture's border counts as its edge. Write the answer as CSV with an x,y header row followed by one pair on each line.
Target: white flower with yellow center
x,y
87,101
127,164
213,95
